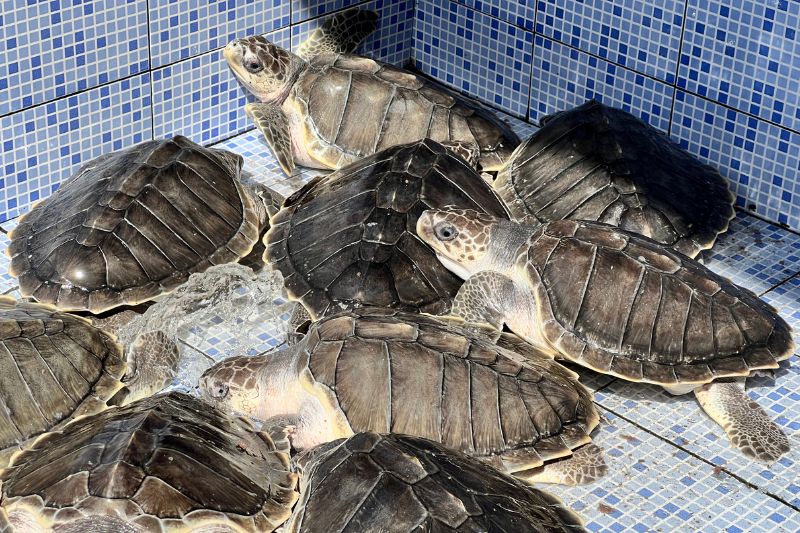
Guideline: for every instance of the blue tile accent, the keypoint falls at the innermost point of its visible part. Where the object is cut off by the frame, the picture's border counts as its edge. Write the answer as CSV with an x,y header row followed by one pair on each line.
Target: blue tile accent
x,y
521,13
761,160
303,10
201,98
566,77
51,49
186,28
745,56
641,35
475,53
65,134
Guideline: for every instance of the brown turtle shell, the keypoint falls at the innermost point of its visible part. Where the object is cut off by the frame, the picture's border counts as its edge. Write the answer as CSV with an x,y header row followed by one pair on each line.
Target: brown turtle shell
x,y
162,463
133,224
599,163
353,106
349,238
53,367
414,484
415,374
624,305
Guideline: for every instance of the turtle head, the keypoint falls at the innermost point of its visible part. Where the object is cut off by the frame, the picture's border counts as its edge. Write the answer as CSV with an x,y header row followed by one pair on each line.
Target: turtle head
x,y
267,70
460,238
233,385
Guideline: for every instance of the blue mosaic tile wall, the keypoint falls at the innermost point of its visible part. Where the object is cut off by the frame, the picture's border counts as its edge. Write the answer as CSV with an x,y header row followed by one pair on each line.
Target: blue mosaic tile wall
x,y
82,77
721,78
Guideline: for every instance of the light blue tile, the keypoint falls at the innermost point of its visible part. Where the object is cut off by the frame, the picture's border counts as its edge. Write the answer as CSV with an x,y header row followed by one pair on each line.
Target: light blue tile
x,y
44,145
391,42
184,28
565,77
52,49
641,35
201,98
475,53
745,55
303,10
521,13
760,160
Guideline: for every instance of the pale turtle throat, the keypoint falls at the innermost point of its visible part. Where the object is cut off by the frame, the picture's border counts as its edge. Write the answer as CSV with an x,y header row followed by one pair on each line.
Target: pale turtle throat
x,y
454,267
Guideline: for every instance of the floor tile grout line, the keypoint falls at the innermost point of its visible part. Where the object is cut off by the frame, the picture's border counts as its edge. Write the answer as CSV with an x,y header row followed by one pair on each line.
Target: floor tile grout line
x,y
780,225
678,66
149,73
733,475
784,282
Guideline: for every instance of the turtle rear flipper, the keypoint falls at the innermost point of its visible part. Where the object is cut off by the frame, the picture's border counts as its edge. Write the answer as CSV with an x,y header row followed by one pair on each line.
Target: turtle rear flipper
x,y
275,126
586,464
153,364
340,33
748,426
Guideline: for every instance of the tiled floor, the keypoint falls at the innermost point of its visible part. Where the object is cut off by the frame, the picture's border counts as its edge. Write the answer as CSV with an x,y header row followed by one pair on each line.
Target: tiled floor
x,y
671,468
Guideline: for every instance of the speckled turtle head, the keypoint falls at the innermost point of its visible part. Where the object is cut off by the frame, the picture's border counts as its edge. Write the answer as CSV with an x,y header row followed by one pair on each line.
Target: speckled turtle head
x,y
234,385
267,70
463,239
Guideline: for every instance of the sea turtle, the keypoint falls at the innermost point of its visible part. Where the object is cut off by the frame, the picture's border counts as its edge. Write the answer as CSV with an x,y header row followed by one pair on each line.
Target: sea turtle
x,y
621,304
599,163
324,108
135,223
53,366
369,480
378,369
349,238
167,463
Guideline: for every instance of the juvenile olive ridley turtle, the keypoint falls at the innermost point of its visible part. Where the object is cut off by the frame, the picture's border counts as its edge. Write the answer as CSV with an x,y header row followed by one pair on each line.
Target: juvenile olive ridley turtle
x,y
620,304
135,223
377,369
53,366
366,482
349,238
169,463
599,163
323,108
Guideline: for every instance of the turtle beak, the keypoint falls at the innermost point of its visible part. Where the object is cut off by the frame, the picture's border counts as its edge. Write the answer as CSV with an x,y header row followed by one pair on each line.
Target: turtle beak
x,y
233,52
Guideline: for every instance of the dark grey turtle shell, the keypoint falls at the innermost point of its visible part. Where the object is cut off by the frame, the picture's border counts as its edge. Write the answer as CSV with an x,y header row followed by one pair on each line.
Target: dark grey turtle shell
x,y
369,481
349,238
155,465
133,224
599,163
359,106
420,375
622,304
53,366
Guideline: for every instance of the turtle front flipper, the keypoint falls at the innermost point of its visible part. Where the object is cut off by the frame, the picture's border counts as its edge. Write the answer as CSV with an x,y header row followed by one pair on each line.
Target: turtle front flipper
x,y
153,364
274,124
340,33
585,465
747,425
483,299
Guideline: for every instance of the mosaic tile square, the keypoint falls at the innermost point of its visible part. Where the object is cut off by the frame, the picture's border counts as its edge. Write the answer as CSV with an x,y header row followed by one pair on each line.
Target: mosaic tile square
x,y
201,98
688,426
521,13
45,144
303,10
522,128
52,49
745,55
653,486
564,77
184,28
761,160
391,42
643,36
7,282
475,53
754,254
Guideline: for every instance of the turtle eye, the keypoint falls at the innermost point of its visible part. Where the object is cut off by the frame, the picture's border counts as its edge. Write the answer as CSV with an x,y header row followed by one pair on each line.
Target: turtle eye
x,y
445,231
253,66
219,391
